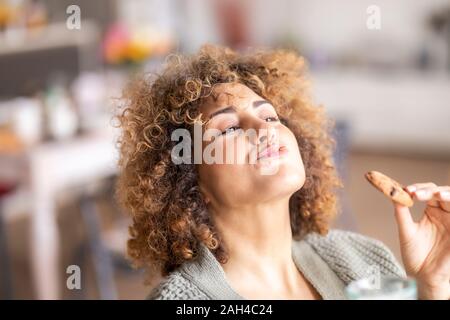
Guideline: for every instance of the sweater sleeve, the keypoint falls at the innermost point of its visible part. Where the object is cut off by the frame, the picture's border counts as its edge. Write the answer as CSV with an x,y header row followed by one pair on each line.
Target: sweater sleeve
x,y
176,287
353,256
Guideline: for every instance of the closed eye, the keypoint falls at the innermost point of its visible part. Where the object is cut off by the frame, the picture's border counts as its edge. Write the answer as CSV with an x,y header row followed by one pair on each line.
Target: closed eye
x,y
230,130
272,119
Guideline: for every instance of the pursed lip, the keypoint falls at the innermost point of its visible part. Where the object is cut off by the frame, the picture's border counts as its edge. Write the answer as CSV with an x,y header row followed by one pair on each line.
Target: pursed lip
x,y
272,151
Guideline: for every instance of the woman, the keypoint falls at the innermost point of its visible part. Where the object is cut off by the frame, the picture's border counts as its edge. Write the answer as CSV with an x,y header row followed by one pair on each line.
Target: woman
x,y
256,225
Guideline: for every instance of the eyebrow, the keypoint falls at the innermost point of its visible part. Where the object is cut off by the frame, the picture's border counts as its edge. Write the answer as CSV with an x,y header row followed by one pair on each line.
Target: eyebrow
x,y
231,109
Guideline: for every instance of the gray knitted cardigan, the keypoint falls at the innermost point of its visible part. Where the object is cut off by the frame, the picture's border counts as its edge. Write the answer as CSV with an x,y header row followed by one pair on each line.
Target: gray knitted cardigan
x,y
328,262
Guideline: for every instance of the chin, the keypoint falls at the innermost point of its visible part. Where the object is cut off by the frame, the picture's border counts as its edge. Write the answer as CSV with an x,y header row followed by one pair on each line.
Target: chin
x,y
293,179
286,178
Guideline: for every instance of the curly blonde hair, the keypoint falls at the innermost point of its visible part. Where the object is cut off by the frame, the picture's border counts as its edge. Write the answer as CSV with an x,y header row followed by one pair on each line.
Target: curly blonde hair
x,y
168,210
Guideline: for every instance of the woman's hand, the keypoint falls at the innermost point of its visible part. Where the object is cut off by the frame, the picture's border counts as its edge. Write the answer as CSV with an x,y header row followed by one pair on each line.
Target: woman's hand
x,y
425,245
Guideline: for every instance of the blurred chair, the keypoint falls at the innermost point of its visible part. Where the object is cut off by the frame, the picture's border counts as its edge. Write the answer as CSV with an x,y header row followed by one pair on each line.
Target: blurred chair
x,y
6,276
341,135
105,246
101,257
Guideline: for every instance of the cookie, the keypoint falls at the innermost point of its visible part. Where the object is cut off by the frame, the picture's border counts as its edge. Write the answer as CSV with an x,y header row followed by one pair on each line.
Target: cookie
x,y
390,188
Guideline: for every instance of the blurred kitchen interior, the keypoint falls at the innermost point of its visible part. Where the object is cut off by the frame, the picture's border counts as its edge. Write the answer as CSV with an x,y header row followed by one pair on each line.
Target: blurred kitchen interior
x,y
387,89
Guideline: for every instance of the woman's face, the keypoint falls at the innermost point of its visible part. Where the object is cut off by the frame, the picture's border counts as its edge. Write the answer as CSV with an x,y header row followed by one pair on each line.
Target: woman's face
x,y
261,159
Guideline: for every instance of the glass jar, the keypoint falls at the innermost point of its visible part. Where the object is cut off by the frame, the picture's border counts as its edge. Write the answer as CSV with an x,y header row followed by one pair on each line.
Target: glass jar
x,y
386,288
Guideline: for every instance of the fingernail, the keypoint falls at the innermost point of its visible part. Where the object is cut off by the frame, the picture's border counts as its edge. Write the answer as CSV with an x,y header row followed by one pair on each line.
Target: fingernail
x,y
411,188
421,193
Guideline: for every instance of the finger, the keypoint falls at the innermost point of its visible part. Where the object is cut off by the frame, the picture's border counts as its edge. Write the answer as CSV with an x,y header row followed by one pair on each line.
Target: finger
x,y
417,186
405,223
425,193
443,196
433,195
443,193
445,206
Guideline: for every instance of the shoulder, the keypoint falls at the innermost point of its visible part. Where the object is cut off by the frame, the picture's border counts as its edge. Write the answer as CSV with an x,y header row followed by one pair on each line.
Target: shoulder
x,y
353,256
176,287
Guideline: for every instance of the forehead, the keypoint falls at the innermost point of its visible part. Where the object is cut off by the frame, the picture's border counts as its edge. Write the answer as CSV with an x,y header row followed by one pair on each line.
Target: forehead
x,y
226,94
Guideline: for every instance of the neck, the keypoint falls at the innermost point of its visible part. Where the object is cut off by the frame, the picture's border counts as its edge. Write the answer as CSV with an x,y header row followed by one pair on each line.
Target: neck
x,y
256,235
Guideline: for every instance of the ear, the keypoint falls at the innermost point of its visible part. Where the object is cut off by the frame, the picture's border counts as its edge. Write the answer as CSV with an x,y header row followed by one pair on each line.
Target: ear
x,y
206,198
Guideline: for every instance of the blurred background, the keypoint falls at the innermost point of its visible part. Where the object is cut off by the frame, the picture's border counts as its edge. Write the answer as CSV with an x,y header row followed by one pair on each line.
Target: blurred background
x,y
386,84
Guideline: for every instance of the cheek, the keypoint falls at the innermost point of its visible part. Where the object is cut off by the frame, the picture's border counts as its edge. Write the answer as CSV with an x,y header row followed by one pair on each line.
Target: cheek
x,y
224,182
296,152
292,143
223,161
294,165
232,150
